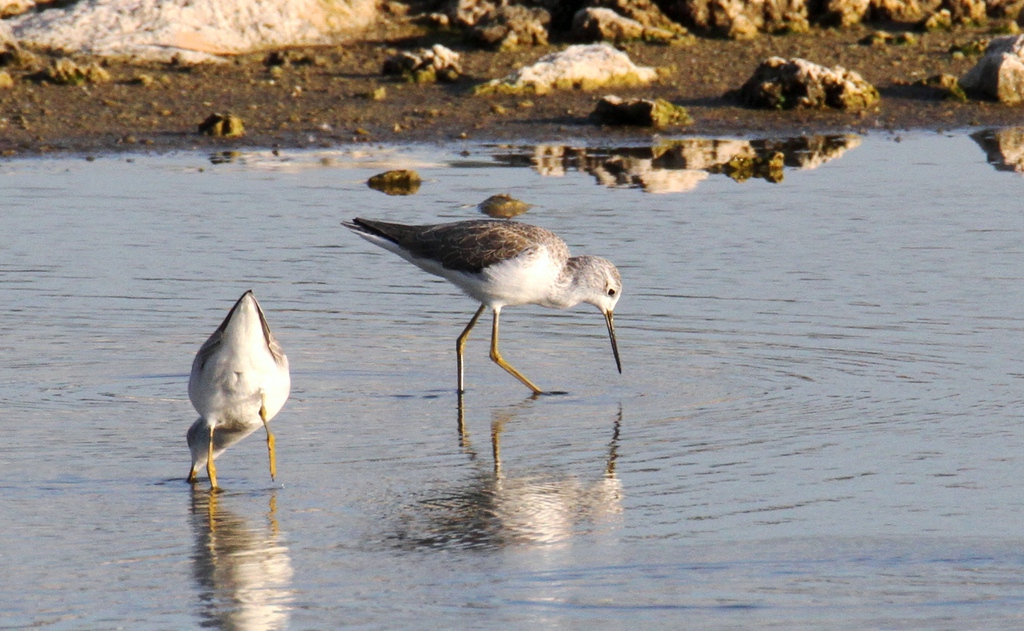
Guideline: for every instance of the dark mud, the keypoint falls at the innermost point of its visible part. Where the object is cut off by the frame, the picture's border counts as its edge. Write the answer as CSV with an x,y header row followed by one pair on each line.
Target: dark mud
x,y
329,96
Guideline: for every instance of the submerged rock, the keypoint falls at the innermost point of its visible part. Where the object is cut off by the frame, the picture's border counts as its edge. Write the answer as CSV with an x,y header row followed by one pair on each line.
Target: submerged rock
x,y
223,125
425,65
797,83
999,74
503,206
612,110
581,67
397,182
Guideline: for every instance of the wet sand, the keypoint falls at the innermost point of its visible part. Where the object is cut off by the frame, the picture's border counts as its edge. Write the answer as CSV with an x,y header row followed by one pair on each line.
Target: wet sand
x,y
319,97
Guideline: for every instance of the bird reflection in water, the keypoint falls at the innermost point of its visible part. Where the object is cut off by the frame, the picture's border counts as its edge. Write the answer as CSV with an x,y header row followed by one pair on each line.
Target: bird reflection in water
x,y
496,508
243,572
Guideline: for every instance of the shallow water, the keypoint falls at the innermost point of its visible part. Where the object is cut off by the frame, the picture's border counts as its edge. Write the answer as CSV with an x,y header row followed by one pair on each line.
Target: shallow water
x,y
817,425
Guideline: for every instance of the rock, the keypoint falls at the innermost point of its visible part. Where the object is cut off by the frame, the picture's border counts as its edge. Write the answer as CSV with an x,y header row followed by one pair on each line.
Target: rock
x,y
646,12
798,83
843,12
509,27
66,72
377,94
1004,148
999,74
948,84
965,11
222,125
291,58
503,206
583,67
426,65
11,8
885,38
193,31
611,110
941,20
972,48
1004,8
6,81
903,11
598,24
397,182
740,19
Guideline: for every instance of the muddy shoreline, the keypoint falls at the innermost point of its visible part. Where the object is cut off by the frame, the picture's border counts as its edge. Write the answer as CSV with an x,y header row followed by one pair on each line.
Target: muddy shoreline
x,y
323,97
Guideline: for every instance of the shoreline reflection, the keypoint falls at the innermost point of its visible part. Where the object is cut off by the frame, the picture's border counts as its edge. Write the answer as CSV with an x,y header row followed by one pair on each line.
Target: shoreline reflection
x,y
1004,148
678,166
243,572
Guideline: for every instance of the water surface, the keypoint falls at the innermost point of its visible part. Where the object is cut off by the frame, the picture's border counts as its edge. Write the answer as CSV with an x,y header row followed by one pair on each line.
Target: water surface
x,y
817,425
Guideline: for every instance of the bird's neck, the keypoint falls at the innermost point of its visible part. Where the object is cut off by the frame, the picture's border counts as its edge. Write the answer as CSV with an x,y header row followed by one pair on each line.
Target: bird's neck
x,y
568,289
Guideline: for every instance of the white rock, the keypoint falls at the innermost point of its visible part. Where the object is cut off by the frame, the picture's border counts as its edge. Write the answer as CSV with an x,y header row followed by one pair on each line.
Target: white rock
x,y
1000,73
585,67
193,30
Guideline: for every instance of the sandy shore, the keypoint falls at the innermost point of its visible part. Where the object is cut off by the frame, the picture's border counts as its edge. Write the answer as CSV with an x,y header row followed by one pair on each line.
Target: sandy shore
x,y
320,97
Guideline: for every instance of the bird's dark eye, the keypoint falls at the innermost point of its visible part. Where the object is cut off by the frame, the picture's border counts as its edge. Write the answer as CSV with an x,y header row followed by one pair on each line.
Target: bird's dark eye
x,y
611,292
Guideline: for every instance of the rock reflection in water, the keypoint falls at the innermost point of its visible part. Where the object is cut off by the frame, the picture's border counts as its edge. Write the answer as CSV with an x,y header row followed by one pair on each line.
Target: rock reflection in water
x,y
680,165
1004,148
495,509
243,572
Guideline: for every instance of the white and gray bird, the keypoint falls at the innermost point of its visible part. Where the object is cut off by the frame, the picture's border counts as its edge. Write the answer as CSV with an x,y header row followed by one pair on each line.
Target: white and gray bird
x,y
502,264
239,381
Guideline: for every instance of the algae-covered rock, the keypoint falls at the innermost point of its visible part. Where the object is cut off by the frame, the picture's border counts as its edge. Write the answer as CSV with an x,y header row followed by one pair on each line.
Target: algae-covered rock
x,y
425,65
503,206
605,25
66,72
948,84
582,67
222,125
740,19
999,74
884,38
397,182
612,110
797,83
941,20
508,27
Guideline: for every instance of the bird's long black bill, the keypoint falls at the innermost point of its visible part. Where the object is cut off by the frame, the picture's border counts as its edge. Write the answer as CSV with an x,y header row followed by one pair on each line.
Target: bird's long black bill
x,y
611,335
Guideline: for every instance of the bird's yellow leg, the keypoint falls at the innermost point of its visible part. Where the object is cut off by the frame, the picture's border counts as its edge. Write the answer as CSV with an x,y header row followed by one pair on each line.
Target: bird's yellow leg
x,y
460,344
211,470
270,436
497,359
192,475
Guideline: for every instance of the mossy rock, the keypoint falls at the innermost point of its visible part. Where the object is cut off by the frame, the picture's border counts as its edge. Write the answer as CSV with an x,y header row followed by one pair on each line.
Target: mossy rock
x,y
397,182
612,110
222,125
